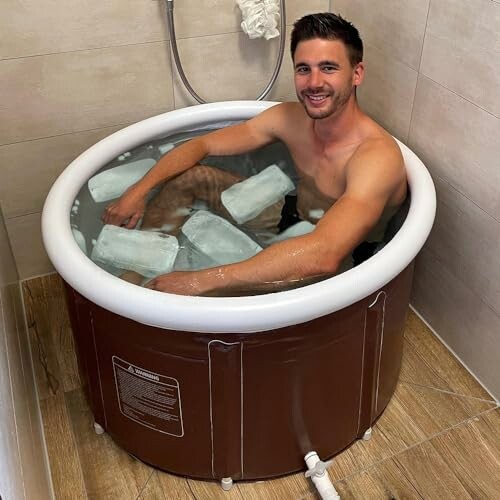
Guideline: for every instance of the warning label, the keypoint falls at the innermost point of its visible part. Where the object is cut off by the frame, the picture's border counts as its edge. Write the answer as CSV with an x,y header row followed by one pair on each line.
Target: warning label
x,y
148,398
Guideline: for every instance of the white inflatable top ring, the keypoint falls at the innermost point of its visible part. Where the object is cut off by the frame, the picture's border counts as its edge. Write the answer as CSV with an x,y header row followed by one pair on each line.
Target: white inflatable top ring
x,y
220,314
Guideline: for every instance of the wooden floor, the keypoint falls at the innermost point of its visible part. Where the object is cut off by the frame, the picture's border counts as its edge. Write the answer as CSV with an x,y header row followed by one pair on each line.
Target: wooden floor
x,y
439,438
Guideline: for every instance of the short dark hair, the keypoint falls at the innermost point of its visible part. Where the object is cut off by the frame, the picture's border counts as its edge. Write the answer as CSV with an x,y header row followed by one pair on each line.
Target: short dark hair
x,y
328,26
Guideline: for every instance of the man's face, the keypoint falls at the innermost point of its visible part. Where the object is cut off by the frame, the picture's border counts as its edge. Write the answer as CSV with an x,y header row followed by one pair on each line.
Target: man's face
x,y
324,77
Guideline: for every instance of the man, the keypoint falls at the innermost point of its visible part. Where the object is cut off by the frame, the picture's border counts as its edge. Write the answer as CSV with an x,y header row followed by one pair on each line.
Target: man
x,y
343,158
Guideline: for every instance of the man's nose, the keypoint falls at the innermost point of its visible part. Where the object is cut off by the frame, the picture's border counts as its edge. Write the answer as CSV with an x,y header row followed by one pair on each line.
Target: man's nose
x,y
315,79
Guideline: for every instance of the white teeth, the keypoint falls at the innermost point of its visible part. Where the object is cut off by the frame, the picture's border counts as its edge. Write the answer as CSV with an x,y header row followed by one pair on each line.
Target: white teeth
x,y
316,98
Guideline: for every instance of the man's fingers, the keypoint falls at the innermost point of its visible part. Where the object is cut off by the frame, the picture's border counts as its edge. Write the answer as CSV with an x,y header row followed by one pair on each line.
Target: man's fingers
x,y
132,222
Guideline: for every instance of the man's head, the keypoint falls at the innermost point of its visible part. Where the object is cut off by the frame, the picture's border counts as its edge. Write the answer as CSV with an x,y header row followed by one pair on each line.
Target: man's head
x,y
328,26
327,55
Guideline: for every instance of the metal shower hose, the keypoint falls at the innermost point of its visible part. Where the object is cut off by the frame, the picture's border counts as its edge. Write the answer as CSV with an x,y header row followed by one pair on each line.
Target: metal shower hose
x,y
171,27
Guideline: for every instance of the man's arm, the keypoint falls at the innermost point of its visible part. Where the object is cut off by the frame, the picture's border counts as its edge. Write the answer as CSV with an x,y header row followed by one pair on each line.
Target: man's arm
x,y
374,175
237,139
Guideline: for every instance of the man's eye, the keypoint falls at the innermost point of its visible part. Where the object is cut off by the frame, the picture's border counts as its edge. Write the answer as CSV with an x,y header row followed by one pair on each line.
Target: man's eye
x,y
329,69
302,70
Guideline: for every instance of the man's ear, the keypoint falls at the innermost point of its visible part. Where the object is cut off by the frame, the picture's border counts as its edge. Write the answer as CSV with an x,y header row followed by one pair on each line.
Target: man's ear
x,y
358,74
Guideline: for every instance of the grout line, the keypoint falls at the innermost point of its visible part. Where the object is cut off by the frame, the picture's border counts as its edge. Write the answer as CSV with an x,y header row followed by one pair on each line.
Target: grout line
x,y
25,280
145,484
451,393
409,479
418,73
85,49
460,95
430,438
75,132
454,354
455,188
41,430
423,39
12,400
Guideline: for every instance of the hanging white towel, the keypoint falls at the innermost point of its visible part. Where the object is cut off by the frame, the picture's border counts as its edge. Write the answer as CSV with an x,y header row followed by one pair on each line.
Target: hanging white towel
x,y
260,18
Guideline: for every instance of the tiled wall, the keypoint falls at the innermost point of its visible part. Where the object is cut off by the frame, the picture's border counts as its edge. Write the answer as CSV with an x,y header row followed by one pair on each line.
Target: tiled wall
x,y
23,469
71,74
433,81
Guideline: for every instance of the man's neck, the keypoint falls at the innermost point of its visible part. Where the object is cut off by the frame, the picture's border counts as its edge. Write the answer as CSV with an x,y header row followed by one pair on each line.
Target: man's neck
x,y
340,127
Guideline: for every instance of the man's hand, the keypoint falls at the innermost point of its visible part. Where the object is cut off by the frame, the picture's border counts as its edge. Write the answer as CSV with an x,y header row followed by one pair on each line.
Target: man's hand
x,y
178,282
126,211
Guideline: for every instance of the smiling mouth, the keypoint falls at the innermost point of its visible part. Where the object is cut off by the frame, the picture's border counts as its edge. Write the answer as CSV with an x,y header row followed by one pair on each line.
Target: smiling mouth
x,y
316,99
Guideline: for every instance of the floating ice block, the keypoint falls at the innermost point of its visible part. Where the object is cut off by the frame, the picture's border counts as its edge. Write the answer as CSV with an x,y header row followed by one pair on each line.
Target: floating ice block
x,y
245,200
114,182
147,253
80,239
165,148
316,213
302,227
218,239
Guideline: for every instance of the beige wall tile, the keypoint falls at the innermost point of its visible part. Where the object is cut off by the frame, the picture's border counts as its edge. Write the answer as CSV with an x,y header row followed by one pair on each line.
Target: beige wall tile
x,y
461,50
468,241
10,464
295,9
21,447
42,160
11,481
193,18
32,28
459,316
70,92
26,239
459,142
396,27
388,91
229,66
23,397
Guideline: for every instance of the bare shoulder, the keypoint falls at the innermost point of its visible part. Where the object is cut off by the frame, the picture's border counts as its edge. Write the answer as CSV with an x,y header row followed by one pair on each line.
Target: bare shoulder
x,y
277,119
377,165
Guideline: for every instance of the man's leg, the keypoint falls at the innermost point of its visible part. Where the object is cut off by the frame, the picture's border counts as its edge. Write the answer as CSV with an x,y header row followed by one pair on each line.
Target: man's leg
x,y
170,206
203,183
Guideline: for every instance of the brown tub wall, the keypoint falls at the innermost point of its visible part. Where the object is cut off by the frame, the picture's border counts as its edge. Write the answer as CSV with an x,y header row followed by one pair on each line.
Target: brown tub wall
x,y
291,384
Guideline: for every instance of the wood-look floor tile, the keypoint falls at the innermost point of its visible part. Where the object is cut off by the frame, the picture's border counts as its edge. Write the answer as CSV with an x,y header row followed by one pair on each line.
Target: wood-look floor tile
x,y
394,432
398,462
414,370
451,374
472,451
383,482
62,448
413,416
108,471
51,338
163,486
295,486
433,411
430,474
212,490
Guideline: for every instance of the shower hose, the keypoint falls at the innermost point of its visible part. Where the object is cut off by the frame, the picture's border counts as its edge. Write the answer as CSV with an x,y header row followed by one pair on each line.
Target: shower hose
x,y
178,64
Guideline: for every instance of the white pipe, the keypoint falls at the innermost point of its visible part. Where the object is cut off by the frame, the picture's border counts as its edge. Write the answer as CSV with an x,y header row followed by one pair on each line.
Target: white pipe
x,y
319,475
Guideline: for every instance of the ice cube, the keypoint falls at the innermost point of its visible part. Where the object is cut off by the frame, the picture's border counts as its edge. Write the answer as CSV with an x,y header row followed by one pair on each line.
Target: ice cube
x,y
218,239
316,213
80,239
247,199
147,253
165,148
114,182
302,227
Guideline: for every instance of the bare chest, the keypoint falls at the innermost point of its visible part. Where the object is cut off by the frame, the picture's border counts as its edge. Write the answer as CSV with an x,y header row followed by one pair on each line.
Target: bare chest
x,y
322,169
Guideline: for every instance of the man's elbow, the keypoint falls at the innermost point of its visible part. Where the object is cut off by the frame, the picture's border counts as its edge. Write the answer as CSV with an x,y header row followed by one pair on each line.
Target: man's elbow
x,y
327,263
